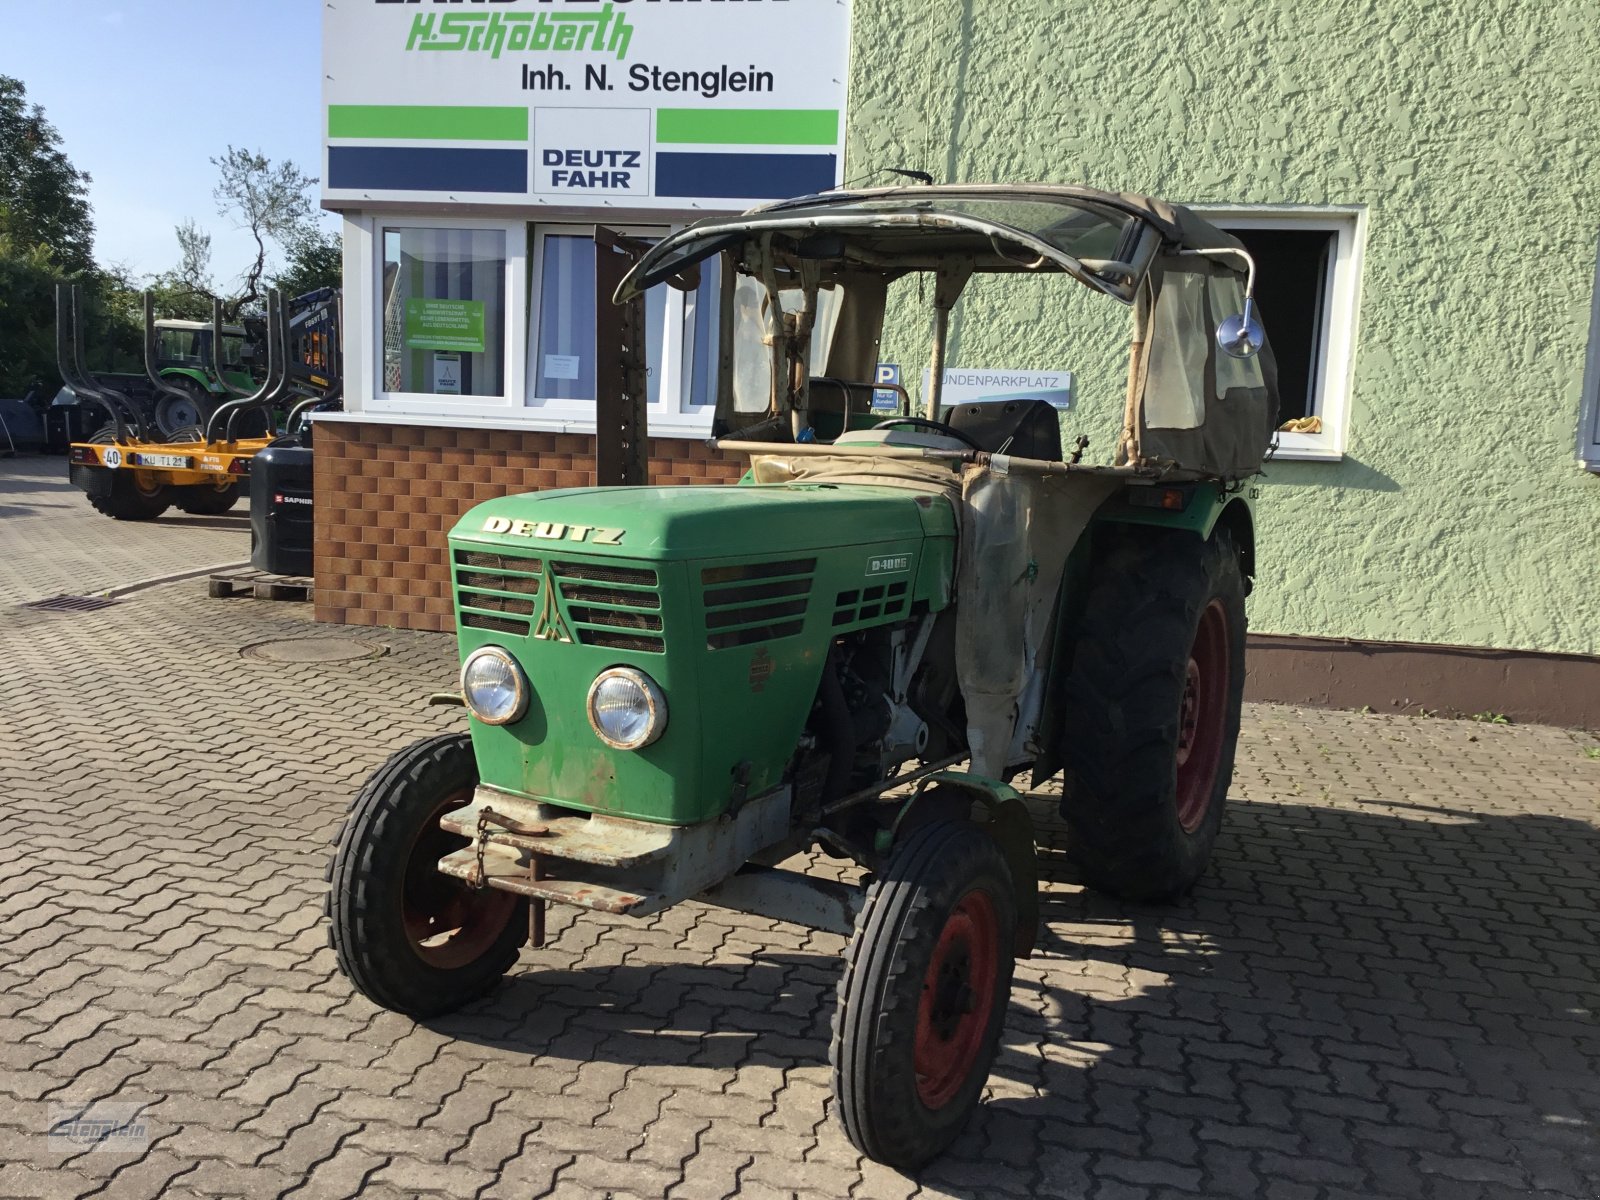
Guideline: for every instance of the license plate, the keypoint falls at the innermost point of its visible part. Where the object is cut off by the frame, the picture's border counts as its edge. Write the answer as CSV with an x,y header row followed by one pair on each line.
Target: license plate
x,y
176,462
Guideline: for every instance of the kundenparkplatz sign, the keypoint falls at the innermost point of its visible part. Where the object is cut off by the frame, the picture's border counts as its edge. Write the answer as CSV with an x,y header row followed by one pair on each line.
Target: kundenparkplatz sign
x,y
607,103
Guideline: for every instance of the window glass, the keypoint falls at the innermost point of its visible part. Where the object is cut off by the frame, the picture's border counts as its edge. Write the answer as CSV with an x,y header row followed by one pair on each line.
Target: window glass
x,y
1175,380
700,335
444,297
752,357
564,353
1291,287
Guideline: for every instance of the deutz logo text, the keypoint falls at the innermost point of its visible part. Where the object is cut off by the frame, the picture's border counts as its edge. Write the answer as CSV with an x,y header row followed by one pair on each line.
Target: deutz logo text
x,y
552,532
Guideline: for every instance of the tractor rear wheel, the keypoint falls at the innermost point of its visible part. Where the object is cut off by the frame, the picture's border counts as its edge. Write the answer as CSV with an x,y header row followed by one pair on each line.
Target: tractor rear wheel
x,y
409,937
1152,710
926,982
176,412
127,495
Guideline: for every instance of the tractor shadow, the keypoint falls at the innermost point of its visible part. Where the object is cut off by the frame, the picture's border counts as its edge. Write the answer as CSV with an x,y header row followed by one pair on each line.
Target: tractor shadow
x,y
1373,1001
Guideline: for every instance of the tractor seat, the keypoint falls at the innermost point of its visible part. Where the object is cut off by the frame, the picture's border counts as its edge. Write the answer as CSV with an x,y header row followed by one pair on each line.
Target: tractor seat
x,y
1024,427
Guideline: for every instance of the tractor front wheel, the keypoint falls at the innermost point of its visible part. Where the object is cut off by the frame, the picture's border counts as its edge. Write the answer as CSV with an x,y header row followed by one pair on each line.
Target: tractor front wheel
x,y
410,938
923,997
1153,705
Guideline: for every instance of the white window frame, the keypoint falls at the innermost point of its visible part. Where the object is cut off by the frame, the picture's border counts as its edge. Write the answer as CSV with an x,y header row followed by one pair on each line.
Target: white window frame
x,y
672,413
1589,403
370,333
1341,306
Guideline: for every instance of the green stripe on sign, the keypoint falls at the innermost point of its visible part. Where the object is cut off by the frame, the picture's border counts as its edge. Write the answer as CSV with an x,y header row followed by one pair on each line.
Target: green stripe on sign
x,y
421,122
748,126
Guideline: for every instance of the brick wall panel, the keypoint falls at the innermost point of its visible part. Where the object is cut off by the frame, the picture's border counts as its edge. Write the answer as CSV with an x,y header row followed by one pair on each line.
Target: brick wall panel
x,y
387,495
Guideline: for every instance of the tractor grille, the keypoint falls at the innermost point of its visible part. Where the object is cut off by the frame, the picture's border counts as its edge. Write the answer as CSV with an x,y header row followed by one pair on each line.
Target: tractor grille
x,y
623,613
870,604
603,604
756,602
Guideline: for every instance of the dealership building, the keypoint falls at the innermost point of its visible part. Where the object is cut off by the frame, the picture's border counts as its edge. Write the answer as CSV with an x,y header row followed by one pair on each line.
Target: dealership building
x,y
1415,191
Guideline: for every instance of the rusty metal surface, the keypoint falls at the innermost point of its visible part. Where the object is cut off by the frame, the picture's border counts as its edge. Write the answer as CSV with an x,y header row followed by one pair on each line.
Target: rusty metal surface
x,y
523,825
621,391
510,874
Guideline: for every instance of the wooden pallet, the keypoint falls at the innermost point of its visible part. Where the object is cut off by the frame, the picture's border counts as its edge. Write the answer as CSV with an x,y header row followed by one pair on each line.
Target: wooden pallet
x,y
260,584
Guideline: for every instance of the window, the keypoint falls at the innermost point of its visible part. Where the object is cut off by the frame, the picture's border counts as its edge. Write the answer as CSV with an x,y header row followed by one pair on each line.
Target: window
x,y
680,333
1308,270
1589,411
443,311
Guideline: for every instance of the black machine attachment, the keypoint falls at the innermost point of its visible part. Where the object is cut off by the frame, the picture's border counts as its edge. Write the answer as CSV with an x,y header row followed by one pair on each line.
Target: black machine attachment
x,y
1023,427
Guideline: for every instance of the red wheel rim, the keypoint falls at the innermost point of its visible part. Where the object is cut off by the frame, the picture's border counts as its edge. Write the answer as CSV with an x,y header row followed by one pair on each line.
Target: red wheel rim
x,y
1202,716
957,1000
448,923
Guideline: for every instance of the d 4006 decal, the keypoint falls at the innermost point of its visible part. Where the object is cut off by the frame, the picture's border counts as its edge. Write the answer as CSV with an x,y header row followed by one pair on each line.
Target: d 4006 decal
x,y
552,531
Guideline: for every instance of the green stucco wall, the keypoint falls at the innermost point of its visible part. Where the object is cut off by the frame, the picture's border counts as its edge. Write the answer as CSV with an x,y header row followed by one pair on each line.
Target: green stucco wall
x,y
1468,130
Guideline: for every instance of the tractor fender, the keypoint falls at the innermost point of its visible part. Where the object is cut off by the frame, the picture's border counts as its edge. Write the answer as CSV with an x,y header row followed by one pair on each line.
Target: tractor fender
x,y
957,795
1207,507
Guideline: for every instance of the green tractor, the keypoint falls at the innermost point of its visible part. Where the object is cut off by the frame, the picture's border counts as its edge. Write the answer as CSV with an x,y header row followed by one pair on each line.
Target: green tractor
x,y
672,691
201,371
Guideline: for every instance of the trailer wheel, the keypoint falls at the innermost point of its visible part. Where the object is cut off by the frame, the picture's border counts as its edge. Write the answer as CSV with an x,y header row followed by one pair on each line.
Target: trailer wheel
x,y
926,982
1152,709
125,495
206,500
410,938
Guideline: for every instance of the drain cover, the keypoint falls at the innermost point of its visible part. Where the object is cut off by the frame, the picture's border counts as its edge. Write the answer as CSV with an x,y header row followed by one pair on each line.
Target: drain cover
x,y
72,604
314,650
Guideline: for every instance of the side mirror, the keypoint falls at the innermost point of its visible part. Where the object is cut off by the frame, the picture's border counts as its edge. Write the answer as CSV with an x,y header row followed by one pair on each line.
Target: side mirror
x,y
1241,335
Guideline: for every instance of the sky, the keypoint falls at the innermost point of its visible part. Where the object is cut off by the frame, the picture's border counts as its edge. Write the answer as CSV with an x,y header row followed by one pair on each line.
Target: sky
x,y
145,92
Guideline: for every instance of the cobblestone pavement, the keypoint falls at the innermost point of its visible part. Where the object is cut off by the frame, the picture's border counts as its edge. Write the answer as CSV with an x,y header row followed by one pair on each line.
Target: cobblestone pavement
x,y
1385,987
53,543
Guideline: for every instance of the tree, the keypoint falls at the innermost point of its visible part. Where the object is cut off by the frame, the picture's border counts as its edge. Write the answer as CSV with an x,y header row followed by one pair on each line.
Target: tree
x,y
44,199
316,260
269,200
46,233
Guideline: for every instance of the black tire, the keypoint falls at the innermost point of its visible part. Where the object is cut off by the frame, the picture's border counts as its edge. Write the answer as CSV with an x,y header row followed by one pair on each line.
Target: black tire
x,y
124,497
173,414
203,500
383,870
942,875
1151,733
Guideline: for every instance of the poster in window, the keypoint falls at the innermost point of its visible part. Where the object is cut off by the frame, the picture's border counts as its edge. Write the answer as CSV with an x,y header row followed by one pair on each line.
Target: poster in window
x,y
446,374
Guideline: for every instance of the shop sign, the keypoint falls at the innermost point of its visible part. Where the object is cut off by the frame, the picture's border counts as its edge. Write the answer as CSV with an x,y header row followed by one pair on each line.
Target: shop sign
x,y
445,325
654,104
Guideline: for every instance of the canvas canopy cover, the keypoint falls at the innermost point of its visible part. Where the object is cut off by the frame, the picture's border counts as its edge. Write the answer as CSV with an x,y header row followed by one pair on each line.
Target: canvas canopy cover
x,y
1192,410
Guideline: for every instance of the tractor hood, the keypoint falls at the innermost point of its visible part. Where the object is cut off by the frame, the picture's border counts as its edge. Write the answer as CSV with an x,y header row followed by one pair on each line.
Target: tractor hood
x,y
676,523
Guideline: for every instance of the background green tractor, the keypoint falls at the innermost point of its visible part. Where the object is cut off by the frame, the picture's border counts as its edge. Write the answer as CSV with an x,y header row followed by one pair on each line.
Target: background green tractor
x,y
674,690
188,356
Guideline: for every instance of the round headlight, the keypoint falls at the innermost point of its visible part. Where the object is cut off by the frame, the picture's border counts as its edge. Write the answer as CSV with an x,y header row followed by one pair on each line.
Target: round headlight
x,y
626,708
494,687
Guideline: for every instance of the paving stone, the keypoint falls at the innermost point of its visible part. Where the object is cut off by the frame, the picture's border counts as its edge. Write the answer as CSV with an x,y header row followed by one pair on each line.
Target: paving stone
x,y
1384,985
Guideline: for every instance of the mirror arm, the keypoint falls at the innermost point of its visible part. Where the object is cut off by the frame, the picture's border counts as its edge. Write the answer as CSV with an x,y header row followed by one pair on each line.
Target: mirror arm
x,y
1235,252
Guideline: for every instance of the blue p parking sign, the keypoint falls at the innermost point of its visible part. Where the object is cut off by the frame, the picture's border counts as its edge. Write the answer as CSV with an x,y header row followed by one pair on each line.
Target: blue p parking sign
x,y
886,399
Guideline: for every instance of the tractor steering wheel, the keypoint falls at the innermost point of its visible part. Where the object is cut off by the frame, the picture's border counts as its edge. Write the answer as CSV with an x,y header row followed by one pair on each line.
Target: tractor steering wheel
x,y
936,426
